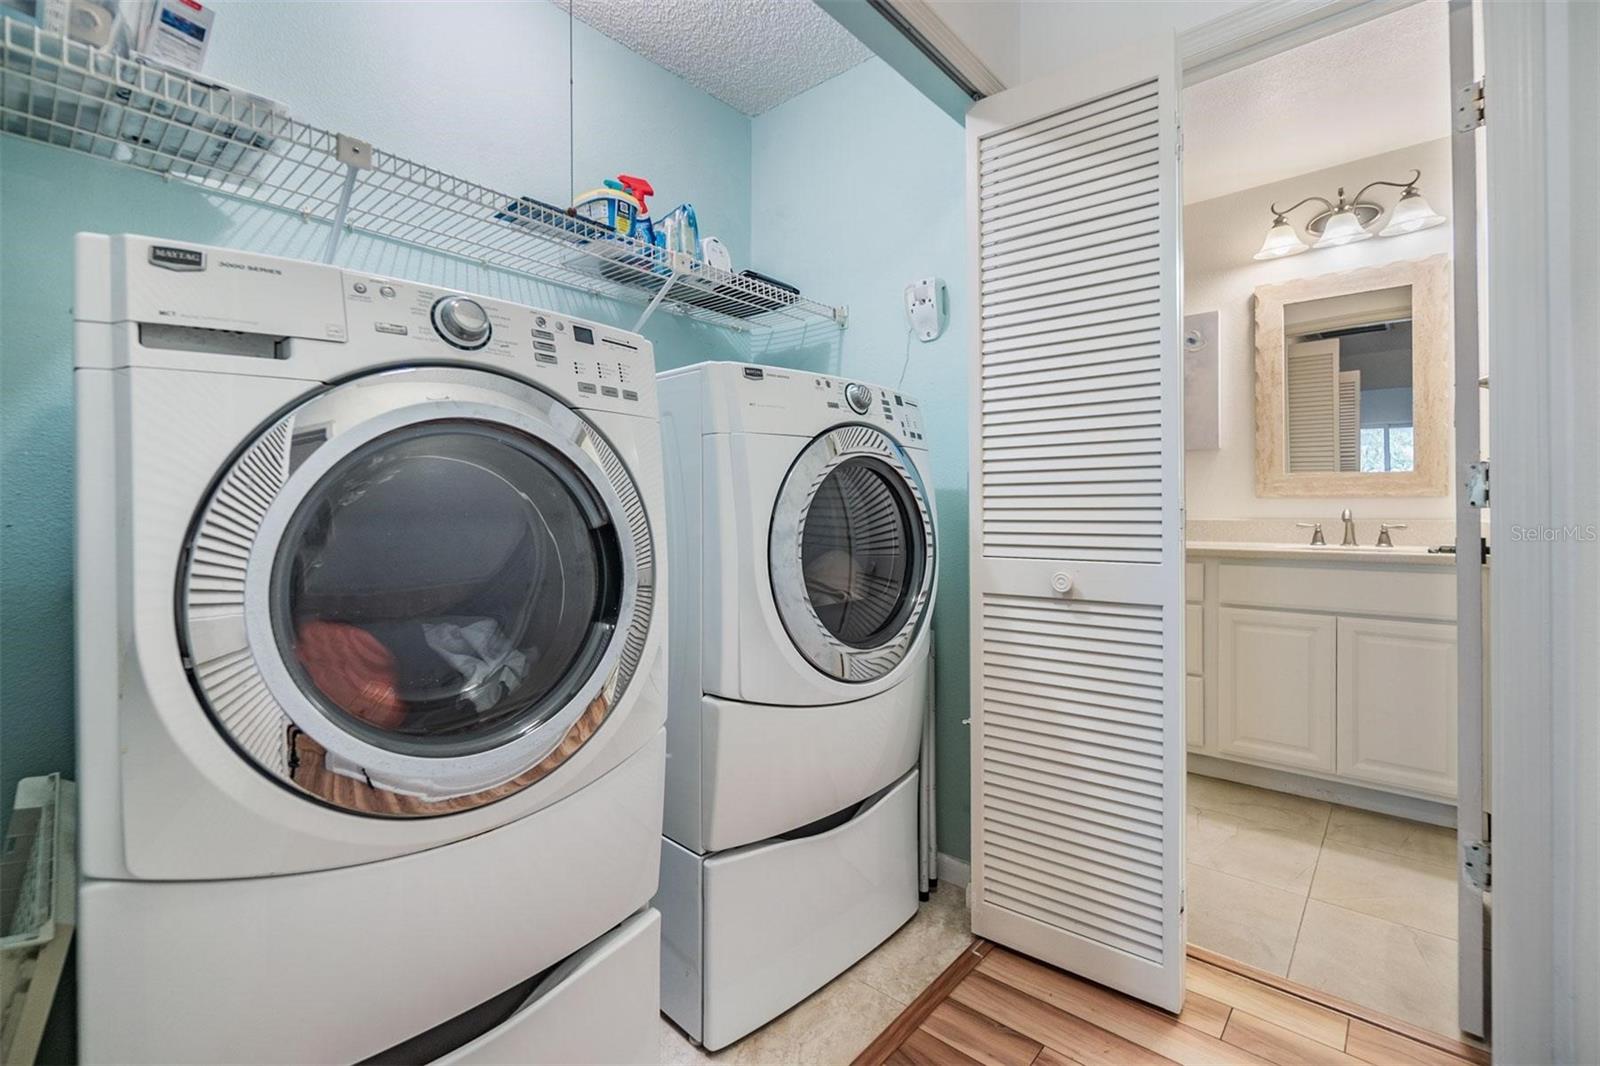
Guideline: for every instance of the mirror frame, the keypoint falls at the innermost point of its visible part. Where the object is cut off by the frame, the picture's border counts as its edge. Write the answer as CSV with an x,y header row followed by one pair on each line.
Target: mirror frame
x,y
1430,381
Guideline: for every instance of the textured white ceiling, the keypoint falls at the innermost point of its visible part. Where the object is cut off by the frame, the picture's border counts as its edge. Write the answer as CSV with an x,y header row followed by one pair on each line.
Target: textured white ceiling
x,y
750,54
1370,89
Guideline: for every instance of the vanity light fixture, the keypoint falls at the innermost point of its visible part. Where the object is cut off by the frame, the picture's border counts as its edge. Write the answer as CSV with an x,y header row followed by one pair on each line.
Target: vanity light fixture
x,y
1411,214
1281,240
1350,220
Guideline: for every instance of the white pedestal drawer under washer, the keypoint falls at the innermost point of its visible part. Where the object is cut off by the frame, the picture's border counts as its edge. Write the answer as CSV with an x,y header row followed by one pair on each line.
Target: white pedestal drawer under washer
x,y
371,605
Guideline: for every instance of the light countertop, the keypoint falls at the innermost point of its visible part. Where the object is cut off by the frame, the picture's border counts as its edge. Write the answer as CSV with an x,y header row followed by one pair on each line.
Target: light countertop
x,y
1401,555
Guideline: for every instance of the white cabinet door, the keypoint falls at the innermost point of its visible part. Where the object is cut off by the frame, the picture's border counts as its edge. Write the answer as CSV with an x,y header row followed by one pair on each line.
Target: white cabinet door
x,y
1397,704
1194,711
1194,640
1275,697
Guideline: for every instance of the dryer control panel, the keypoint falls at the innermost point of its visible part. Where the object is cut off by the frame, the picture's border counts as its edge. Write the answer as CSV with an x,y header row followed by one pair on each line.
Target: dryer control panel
x,y
595,365
896,411
746,398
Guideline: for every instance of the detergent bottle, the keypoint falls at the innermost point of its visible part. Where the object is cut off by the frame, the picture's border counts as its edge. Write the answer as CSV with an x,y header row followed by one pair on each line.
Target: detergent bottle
x,y
619,204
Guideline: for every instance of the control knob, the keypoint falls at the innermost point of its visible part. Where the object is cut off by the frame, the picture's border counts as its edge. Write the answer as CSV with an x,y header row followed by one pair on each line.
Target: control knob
x,y
859,397
462,322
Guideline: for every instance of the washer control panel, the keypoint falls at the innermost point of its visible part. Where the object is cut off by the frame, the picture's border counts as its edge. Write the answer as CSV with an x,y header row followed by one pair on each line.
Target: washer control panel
x,y
594,365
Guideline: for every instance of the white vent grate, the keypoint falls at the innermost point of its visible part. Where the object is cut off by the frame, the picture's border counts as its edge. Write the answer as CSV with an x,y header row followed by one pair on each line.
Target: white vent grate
x,y
1072,767
1070,305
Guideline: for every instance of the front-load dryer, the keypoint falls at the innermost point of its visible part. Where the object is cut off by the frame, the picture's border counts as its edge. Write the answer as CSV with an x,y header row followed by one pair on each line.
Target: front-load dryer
x,y
371,667
804,563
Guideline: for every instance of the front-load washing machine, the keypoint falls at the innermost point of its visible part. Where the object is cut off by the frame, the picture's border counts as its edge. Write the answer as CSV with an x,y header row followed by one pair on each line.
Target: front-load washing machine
x,y
801,535
371,668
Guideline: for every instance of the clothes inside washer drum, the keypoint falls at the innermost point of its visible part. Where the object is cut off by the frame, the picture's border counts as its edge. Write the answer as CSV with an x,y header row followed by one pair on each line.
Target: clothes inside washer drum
x,y
353,669
855,551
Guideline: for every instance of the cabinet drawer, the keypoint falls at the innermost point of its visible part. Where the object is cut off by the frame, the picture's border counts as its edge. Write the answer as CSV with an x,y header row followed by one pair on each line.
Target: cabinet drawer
x,y
1275,696
1341,588
1397,704
1194,639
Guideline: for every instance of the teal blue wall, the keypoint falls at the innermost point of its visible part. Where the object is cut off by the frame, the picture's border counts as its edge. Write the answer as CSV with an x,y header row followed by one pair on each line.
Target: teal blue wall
x,y
850,191
479,88
858,190
475,88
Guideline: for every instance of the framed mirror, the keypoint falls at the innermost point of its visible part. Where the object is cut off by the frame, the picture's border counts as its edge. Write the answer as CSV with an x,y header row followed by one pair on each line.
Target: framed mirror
x,y
1353,383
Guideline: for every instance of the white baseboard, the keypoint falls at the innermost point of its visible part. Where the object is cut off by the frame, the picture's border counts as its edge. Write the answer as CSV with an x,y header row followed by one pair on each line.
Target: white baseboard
x,y
1412,808
954,870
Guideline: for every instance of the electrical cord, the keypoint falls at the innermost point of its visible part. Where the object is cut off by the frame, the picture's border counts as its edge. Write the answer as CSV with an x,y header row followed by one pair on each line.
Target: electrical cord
x,y
904,363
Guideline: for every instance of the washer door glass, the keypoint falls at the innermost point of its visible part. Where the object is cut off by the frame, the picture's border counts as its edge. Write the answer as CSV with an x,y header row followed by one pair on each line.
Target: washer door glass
x,y
860,552
446,588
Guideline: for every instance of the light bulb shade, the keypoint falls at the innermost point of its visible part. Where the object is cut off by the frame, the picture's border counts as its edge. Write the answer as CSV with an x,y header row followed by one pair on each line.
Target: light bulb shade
x,y
1411,214
1281,240
1343,227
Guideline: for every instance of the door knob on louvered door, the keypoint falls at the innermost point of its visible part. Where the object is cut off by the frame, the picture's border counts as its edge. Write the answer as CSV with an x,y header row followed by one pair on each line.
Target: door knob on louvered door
x,y
1061,582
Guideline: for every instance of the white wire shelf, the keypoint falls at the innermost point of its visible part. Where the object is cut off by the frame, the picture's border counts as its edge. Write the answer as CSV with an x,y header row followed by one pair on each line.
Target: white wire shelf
x,y
239,145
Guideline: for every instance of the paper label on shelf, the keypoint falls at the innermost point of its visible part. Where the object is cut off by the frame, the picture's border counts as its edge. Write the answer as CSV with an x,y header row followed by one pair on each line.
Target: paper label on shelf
x,y
178,33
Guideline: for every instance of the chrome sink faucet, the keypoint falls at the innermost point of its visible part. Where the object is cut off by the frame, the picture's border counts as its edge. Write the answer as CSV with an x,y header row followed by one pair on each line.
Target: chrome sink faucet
x,y
1349,540
1384,540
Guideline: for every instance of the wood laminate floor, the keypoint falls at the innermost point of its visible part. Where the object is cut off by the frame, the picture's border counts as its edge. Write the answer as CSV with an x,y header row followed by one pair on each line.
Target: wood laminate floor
x,y
996,1007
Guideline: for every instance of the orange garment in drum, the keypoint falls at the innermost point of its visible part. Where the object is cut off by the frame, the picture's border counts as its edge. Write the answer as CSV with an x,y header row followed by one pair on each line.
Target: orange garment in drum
x,y
352,669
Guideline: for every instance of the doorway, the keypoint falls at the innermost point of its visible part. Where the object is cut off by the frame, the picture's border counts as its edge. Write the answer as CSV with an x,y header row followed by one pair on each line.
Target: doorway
x,y
1322,652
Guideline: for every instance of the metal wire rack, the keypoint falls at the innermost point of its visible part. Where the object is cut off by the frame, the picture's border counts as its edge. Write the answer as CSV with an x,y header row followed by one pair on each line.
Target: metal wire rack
x,y
240,145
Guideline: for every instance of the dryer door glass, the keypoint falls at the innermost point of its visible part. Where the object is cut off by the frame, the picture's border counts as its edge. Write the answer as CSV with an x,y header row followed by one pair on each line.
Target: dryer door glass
x,y
851,554
861,552
446,588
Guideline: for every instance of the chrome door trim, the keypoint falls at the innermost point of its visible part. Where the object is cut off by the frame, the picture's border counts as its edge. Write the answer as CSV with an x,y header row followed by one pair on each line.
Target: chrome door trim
x,y
830,655
225,594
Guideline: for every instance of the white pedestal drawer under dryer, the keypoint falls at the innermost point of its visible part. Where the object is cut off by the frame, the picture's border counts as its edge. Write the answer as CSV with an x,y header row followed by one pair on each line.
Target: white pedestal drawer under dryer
x,y
801,538
371,668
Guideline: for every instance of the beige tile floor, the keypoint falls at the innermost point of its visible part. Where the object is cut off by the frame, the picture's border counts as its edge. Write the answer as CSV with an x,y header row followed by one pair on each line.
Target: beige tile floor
x,y
835,1024
1357,904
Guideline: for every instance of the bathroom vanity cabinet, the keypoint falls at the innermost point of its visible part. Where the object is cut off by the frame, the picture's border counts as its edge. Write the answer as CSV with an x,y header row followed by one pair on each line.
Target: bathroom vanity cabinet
x,y
1339,665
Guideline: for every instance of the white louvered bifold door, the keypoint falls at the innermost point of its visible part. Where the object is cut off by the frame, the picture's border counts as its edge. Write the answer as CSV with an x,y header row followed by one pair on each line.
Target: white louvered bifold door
x,y
1350,421
1077,522
1311,406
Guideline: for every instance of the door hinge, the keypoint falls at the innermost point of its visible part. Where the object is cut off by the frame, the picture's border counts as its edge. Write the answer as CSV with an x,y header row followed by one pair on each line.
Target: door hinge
x,y
1475,864
1478,484
1179,124
1469,107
